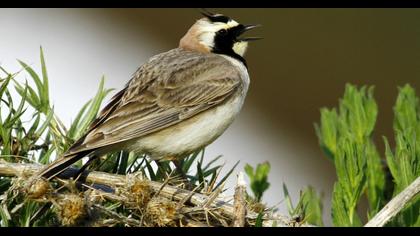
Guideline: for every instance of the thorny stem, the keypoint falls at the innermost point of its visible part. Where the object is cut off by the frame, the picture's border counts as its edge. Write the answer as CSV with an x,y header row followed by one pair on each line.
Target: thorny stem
x,y
170,192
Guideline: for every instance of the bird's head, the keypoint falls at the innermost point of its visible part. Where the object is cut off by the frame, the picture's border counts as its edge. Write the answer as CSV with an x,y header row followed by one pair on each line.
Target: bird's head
x,y
216,33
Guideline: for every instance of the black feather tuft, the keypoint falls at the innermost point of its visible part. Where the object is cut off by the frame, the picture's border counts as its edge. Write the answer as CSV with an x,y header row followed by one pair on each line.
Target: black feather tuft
x,y
215,17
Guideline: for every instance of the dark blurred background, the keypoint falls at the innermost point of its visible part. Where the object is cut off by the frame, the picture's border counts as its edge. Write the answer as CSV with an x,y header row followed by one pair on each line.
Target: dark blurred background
x,y
306,58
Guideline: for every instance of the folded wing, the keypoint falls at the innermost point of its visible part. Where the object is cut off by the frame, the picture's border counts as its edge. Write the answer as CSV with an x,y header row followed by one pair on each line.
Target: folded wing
x,y
161,94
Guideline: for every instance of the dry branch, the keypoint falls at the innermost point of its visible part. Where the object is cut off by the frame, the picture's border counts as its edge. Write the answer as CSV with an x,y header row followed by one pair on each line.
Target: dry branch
x,y
395,205
169,192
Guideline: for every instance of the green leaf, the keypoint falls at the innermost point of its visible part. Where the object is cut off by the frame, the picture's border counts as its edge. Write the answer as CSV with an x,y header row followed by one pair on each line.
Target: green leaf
x,y
45,125
288,199
34,126
4,216
41,103
259,220
211,170
212,162
186,163
339,215
404,162
259,183
200,175
4,84
45,157
327,132
33,74
312,206
392,164
249,171
375,180
32,99
93,110
19,112
226,176
45,87
73,128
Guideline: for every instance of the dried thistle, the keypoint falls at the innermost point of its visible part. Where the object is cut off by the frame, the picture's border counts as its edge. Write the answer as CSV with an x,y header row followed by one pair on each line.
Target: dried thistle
x,y
138,191
161,212
71,209
94,196
37,188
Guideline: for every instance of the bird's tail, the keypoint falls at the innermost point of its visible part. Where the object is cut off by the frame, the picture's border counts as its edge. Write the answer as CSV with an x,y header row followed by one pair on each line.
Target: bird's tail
x,y
59,165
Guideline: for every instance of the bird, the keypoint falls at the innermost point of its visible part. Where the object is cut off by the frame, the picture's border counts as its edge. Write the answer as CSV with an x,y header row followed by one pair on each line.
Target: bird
x,y
177,102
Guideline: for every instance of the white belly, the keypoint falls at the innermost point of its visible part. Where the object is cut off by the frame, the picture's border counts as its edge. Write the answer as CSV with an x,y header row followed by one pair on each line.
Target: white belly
x,y
191,134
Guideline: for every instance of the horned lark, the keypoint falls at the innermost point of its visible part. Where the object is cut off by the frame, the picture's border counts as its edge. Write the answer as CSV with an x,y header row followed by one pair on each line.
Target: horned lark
x,y
177,102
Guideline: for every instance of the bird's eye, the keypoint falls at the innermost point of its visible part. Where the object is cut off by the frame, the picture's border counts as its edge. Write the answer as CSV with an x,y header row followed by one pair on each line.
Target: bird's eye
x,y
222,32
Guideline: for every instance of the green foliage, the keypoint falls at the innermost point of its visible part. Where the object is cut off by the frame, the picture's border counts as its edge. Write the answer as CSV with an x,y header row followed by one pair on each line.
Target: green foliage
x,y
259,220
404,162
36,140
308,208
259,183
346,138
40,100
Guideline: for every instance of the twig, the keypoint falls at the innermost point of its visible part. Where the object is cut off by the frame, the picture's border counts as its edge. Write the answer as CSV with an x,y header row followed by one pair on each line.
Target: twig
x,y
193,223
395,205
170,192
121,218
239,202
212,197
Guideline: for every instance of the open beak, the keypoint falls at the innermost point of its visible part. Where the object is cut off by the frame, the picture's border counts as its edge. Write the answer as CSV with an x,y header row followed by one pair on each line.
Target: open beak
x,y
247,28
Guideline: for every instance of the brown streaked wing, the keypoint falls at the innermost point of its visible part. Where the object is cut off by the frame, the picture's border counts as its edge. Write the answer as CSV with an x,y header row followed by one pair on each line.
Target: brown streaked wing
x,y
184,88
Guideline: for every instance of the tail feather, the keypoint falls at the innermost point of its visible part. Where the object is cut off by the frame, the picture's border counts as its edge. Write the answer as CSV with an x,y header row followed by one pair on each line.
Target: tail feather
x,y
59,165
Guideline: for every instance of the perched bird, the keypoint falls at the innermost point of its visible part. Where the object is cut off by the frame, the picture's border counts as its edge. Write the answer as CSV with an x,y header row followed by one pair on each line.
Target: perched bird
x,y
177,102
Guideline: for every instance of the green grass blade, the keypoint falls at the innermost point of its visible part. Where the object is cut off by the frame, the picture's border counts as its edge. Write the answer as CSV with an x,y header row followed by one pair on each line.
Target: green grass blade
x,y
259,220
34,126
74,125
200,175
226,176
45,157
93,108
288,199
186,164
45,88
35,78
32,99
4,84
45,125
211,162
